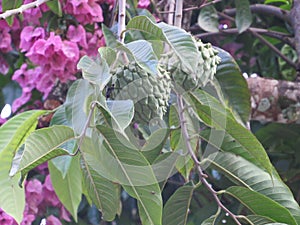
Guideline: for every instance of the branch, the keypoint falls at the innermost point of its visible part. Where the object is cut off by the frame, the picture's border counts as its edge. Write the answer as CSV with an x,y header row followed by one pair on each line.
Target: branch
x,y
22,8
295,21
274,100
121,20
202,176
178,13
264,9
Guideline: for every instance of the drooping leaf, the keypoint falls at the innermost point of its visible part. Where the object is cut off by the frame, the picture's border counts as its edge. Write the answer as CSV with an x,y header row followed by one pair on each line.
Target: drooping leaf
x,y
62,163
246,174
44,144
176,210
179,40
108,54
55,7
208,19
154,144
215,115
116,114
261,205
76,104
110,38
134,173
13,134
209,221
104,193
243,18
95,71
174,123
233,85
68,188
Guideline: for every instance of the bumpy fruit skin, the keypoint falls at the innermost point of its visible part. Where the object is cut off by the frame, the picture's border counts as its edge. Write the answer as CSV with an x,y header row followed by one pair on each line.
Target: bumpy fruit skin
x,y
206,68
150,93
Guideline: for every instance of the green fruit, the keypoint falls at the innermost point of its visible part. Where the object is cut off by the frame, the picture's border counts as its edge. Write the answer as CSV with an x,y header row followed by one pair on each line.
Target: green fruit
x,y
150,93
205,70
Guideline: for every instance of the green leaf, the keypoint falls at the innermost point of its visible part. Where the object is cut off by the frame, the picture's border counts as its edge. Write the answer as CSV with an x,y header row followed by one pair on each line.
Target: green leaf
x,y
208,19
43,145
144,55
13,134
209,221
10,4
76,104
260,220
134,173
179,40
55,7
68,188
111,40
233,85
261,205
243,18
176,209
174,123
104,192
214,115
95,71
154,144
108,54
246,174
62,163
117,114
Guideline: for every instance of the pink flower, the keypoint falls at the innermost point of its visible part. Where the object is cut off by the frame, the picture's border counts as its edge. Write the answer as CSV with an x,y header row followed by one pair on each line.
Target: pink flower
x,y
85,11
2,121
4,67
77,35
42,169
32,15
5,41
34,196
52,220
48,190
95,41
28,219
144,4
25,97
29,36
6,219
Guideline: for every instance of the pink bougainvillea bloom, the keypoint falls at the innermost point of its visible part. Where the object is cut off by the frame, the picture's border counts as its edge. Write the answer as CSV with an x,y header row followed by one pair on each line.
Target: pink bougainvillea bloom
x,y
48,190
28,219
6,219
2,121
144,4
77,35
34,195
5,41
29,36
52,220
32,15
85,11
64,214
4,67
25,97
42,169
95,41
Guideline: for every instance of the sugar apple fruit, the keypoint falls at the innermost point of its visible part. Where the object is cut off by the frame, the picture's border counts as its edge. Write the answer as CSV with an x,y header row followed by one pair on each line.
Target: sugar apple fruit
x,y
150,93
205,70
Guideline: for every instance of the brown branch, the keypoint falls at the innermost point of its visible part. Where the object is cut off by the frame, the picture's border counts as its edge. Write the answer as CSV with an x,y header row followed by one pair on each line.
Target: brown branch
x,y
274,100
264,9
22,8
202,175
295,21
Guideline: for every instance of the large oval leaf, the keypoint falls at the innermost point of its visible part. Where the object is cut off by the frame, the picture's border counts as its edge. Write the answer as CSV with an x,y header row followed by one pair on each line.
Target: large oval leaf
x,y
208,19
13,134
247,174
233,85
243,18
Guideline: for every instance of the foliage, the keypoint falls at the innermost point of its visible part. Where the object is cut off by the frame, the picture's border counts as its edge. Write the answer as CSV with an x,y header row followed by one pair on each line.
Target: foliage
x,y
101,158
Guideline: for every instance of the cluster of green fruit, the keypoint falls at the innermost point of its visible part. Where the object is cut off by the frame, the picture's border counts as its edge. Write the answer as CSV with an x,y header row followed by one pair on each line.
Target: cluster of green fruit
x,y
151,93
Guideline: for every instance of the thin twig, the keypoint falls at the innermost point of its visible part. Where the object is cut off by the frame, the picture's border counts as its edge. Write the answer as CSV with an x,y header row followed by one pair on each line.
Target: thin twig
x,y
178,13
265,10
202,176
273,48
192,8
22,8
